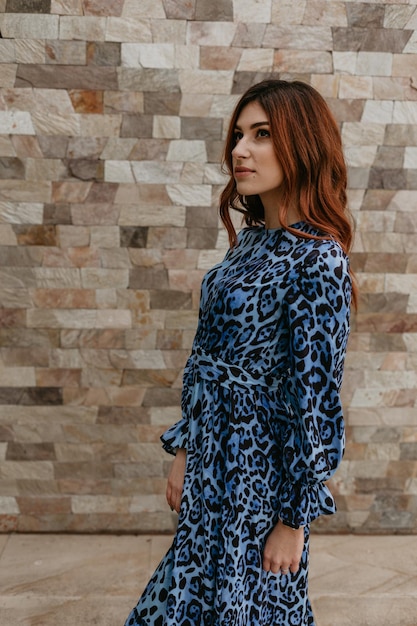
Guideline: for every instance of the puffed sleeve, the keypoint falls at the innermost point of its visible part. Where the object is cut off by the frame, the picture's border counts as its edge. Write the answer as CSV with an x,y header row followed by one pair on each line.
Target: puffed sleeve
x,y
176,436
318,305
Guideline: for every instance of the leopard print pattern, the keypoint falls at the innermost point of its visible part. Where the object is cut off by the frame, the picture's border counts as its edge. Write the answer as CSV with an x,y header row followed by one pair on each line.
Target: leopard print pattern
x,y
263,428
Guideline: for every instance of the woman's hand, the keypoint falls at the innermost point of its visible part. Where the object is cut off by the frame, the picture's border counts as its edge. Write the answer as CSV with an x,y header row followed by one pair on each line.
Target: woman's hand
x,y
283,549
176,480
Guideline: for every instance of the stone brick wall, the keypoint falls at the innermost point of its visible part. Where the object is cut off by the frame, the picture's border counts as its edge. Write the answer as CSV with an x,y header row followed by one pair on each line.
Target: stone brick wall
x,y
112,115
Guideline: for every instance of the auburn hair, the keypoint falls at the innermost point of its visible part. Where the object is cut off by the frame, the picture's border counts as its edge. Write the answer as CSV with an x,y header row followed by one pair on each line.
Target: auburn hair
x,y
308,146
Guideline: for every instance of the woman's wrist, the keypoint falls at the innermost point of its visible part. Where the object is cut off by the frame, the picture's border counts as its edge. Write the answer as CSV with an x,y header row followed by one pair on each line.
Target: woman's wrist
x,y
290,526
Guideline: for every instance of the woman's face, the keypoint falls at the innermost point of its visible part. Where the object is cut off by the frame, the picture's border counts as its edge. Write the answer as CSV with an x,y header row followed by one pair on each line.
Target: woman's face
x,y
256,168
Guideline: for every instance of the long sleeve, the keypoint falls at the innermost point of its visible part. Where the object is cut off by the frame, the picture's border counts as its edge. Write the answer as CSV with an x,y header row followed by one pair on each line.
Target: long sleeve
x,y
176,436
318,304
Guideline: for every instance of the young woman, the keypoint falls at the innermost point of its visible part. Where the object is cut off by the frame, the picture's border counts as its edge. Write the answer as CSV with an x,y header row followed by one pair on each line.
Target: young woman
x,y
262,426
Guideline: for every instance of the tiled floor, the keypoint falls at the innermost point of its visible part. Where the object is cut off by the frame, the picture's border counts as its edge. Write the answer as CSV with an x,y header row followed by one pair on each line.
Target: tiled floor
x,y
81,580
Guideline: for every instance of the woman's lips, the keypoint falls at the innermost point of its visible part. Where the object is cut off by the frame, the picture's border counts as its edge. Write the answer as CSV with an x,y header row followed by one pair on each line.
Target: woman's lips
x,y
242,172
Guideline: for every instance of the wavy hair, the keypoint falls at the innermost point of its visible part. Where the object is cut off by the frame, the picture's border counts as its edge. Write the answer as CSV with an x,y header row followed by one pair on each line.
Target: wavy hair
x,y
308,146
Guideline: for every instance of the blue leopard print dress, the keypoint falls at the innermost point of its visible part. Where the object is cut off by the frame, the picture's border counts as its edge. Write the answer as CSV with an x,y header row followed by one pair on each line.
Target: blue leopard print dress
x,y
263,428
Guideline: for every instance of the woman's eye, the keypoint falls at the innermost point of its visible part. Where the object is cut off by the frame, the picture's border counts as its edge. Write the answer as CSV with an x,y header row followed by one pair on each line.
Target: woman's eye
x,y
262,132
237,136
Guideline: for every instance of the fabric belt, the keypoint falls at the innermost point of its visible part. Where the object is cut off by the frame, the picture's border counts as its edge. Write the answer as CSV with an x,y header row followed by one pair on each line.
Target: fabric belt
x,y
210,367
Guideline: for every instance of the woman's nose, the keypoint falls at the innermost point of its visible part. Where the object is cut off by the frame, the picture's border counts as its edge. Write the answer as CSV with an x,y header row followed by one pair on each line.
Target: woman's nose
x,y
240,149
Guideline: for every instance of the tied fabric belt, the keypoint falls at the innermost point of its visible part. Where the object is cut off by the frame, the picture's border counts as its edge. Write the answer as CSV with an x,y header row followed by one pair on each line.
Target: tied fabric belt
x,y
212,368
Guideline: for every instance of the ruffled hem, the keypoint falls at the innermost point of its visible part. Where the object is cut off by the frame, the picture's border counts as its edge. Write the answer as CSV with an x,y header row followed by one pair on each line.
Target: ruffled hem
x,y
301,504
175,437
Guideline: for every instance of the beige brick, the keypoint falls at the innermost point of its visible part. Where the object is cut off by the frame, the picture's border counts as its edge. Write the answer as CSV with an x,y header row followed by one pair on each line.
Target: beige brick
x,y
257,11
146,8
256,60
67,7
301,61
128,29
166,126
287,12
85,28
29,51
356,87
210,33
29,26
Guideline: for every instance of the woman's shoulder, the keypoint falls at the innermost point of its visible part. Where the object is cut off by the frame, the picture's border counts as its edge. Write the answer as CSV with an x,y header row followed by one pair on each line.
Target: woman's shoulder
x,y
321,251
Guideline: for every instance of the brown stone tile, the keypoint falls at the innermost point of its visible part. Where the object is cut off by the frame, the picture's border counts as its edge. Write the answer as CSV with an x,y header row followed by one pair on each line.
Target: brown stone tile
x,y
158,396
22,338
411,179
201,128
377,199
56,214
85,486
30,451
86,101
123,102
169,339
8,523
86,169
136,126
370,40
102,192
28,6
95,213
149,378
93,470
403,469
6,433
167,237
361,15
34,356
219,58
27,487
38,523
405,223
389,157
66,77
104,53
44,506
53,147
346,110
380,178
202,238
12,168
64,52
243,80
71,192
386,322
26,146
386,262
123,415
70,257
10,318
180,9
384,303
150,150
169,299
214,151
383,342
157,80
17,257
133,237
215,11
30,396
103,7
103,339
408,451
36,235
156,103
47,377
248,36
